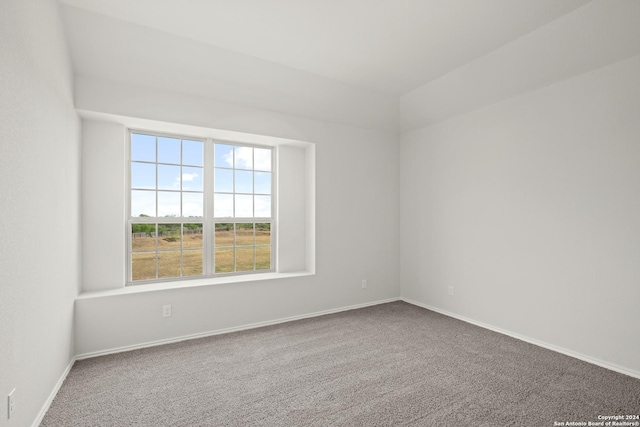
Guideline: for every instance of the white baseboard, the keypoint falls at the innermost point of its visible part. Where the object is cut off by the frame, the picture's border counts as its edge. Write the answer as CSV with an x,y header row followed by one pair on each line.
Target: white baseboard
x,y
542,344
566,352
56,388
53,394
229,330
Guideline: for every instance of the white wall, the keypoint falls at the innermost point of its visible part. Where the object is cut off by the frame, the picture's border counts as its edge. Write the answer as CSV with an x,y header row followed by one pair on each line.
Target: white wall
x,y
103,206
292,209
356,222
39,225
530,209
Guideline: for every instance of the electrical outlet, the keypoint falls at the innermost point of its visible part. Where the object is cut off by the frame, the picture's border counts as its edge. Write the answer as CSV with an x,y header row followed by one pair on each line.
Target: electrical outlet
x,y
11,402
364,283
166,310
451,290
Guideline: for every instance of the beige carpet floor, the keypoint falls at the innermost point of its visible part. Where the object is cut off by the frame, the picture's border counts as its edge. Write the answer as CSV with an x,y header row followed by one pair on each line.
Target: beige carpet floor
x,y
388,365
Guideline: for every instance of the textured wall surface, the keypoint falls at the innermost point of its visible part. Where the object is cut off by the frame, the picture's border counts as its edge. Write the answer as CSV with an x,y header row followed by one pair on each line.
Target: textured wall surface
x,y
356,226
530,210
39,211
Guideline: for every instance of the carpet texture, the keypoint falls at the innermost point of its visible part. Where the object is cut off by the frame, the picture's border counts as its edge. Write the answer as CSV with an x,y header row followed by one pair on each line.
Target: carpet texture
x,y
389,365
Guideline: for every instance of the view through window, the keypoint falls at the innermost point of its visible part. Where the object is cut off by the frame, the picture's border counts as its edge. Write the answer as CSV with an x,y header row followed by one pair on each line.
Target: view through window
x,y
198,207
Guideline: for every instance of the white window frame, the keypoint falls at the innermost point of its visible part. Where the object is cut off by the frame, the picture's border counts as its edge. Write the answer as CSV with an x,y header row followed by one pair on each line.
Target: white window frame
x,y
208,220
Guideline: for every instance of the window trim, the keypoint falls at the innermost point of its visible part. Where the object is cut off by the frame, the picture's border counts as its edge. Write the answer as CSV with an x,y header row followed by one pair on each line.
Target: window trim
x,y
208,220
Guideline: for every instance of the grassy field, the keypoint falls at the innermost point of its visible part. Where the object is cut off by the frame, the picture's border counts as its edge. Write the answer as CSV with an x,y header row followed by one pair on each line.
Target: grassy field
x,y
168,255
244,259
243,237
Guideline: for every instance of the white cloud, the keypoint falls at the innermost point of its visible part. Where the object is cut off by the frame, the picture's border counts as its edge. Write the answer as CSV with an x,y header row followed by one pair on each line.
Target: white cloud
x,y
262,159
189,176
186,177
244,157
249,158
223,205
244,206
143,202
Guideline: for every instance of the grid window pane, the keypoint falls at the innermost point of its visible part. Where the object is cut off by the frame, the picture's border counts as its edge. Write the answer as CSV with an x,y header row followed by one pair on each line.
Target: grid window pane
x,y
143,175
245,259
223,205
168,150
262,206
192,205
167,177
244,234
244,182
263,234
223,180
263,257
169,237
143,147
224,234
168,204
192,236
224,260
192,263
262,159
243,157
169,264
262,182
223,156
143,203
143,237
192,153
143,265
243,206
192,179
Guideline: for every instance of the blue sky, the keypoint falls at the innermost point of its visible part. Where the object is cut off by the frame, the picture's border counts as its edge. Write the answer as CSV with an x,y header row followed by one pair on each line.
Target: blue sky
x,y
247,169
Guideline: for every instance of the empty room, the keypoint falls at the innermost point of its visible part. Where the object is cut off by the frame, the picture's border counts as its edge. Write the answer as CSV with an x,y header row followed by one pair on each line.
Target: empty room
x,y
320,213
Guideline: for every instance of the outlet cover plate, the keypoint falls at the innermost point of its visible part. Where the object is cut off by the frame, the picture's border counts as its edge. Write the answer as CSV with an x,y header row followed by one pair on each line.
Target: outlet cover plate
x,y
166,310
11,404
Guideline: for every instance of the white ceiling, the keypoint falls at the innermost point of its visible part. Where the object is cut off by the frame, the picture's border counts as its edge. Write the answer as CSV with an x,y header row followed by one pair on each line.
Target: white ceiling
x,y
387,46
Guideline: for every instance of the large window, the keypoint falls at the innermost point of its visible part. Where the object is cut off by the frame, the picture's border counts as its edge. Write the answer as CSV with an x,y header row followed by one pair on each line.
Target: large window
x,y
198,207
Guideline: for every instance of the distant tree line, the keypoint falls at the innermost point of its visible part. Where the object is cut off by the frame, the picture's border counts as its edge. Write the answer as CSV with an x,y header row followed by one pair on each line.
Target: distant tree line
x,y
163,229
174,229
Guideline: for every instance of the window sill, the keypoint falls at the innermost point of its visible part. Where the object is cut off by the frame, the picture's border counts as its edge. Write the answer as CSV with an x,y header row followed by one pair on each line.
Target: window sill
x,y
193,283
